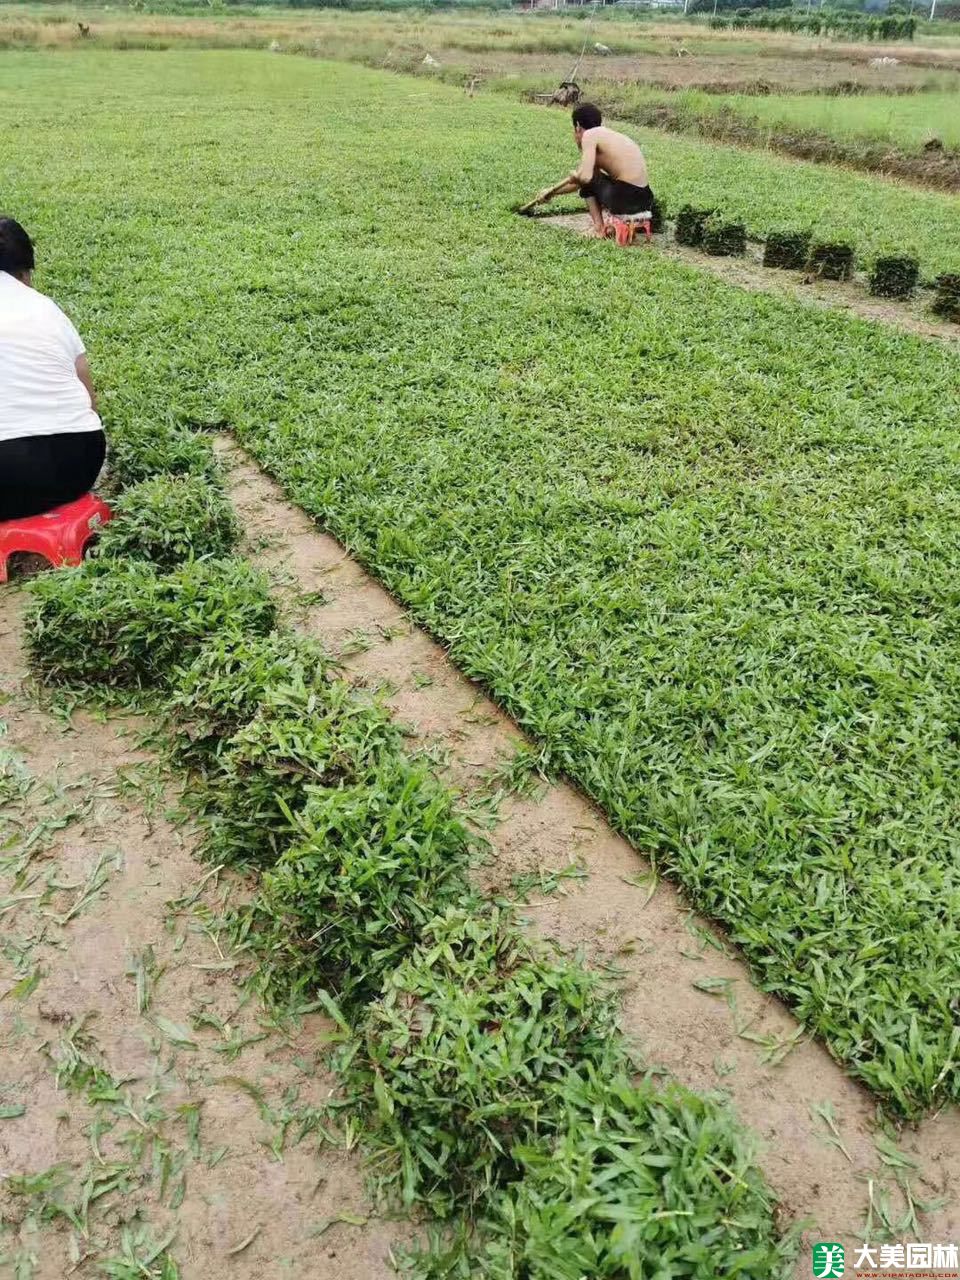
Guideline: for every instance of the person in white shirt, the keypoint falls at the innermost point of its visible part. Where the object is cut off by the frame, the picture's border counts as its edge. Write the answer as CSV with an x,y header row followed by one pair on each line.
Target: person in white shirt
x,y
52,444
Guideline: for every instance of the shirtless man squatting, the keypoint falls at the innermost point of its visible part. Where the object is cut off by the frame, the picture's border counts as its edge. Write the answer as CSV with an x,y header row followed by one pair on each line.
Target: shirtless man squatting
x,y
611,175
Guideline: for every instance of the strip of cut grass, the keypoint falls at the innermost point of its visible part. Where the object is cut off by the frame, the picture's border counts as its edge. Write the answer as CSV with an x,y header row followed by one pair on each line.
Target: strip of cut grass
x,y
702,543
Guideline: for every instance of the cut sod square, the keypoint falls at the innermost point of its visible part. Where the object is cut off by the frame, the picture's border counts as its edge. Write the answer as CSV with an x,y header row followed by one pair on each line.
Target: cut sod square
x,y
301,742
627,1179
168,519
461,1057
787,250
374,862
831,260
658,214
690,225
946,302
894,277
222,689
123,624
140,450
724,239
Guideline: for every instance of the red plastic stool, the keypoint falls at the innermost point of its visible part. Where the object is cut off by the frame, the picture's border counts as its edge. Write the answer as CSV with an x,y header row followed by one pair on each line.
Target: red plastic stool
x,y
625,226
60,535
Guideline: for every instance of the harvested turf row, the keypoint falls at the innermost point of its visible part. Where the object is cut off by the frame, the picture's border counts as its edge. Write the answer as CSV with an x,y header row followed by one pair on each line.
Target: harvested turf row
x,y
715,1034
108,1098
367,849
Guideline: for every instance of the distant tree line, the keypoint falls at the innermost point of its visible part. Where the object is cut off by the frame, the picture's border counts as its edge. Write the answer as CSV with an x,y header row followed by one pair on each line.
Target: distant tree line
x,y
252,7
729,7
853,26
389,4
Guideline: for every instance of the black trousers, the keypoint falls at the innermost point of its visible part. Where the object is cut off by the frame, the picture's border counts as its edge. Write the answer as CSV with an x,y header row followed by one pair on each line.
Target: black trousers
x,y
617,197
38,473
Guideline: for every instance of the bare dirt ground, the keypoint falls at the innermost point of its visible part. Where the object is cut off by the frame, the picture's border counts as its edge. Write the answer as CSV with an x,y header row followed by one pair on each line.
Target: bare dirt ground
x,y
669,55
804,70
748,272
737,1040
192,1092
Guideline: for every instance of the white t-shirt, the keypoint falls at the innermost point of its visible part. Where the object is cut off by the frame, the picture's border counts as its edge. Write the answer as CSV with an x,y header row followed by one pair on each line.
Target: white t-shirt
x,y
40,393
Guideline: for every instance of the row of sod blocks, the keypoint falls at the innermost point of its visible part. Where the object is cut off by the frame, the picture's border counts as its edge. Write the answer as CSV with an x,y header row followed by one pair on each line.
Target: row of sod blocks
x,y
892,276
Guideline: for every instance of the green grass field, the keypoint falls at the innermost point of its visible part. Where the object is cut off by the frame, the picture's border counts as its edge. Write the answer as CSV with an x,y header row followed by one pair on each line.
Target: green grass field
x,y
767,192
772,192
703,543
908,120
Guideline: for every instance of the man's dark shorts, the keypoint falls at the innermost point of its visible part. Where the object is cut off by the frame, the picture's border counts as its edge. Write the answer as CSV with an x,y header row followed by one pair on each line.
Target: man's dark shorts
x,y
617,197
